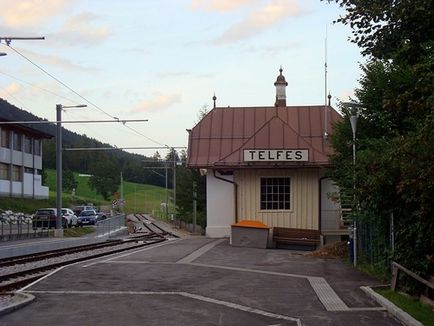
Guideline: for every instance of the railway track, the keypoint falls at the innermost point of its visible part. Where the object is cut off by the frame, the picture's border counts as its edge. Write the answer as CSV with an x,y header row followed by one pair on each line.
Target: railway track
x,y
148,226
18,273
11,261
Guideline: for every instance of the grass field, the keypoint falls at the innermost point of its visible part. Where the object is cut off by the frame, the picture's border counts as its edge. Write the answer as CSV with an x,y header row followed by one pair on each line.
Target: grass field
x,y
414,307
83,191
139,198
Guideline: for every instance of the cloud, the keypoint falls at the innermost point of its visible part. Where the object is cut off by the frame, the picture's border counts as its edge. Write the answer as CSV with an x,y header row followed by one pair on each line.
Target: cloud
x,y
174,74
54,60
272,50
30,12
219,5
80,30
346,95
260,19
12,88
158,102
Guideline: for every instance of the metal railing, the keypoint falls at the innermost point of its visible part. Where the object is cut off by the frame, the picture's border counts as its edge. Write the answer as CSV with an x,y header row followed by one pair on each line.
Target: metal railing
x,y
17,226
110,225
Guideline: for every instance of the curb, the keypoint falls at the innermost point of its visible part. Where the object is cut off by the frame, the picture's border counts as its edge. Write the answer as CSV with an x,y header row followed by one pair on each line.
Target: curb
x,y
398,313
23,300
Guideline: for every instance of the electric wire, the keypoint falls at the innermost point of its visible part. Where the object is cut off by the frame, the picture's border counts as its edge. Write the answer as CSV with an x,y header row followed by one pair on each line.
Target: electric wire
x,y
82,97
36,86
24,106
52,93
59,81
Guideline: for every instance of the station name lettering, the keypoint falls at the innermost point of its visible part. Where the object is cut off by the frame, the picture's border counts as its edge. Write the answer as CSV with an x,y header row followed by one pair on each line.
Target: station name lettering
x,y
277,155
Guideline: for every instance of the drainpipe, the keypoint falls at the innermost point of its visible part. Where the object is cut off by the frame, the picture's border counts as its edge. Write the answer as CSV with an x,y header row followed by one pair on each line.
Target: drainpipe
x,y
235,193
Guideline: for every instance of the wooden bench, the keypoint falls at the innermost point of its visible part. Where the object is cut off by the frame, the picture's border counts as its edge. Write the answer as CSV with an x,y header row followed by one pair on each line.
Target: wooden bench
x,y
296,237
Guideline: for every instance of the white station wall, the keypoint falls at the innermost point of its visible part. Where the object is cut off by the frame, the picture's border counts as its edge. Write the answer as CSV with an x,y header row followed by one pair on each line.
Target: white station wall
x,y
220,205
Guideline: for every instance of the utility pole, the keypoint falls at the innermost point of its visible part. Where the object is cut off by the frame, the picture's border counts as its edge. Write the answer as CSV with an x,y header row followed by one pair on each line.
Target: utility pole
x,y
167,194
194,206
59,231
353,121
174,181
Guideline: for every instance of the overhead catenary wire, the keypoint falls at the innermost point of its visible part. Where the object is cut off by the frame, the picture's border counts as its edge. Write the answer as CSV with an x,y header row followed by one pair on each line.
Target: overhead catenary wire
x,y
13,96
36,86
100,136
116,148
59,81
68,121
60,96
83,98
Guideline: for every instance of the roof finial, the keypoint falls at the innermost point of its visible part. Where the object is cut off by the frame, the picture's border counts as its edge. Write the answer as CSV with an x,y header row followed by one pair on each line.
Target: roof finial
x,y
214,98
280,89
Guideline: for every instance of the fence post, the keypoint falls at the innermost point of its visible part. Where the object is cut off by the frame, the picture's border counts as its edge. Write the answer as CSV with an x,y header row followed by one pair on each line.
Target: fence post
x,y
395,275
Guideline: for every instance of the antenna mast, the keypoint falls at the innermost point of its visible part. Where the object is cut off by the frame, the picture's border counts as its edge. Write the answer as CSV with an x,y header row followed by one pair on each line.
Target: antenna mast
x,y
325,87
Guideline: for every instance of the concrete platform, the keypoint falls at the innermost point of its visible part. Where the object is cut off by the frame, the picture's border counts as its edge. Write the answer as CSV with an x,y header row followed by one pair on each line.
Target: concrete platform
x,y
200,281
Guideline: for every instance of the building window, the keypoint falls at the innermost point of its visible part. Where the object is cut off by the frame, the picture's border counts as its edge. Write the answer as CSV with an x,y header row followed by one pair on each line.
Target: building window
x,y
17,141
4,138
275,193
37,148
28,170
16,173
28,144
4,171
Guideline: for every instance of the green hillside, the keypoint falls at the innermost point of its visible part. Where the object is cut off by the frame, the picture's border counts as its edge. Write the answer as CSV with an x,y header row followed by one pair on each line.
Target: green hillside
x,y
139,197
143,198
83,191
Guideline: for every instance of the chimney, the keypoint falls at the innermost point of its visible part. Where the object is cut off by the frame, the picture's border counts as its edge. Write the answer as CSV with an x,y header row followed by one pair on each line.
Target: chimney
x,y
280,90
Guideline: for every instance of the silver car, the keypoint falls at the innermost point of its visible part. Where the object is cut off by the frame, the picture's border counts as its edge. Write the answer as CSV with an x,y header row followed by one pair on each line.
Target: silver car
x,y
71,218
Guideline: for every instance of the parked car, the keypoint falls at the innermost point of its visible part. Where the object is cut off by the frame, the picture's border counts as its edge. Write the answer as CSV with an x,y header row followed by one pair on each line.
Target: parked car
x,y
87,217
101,216
71,218
78,209
46,218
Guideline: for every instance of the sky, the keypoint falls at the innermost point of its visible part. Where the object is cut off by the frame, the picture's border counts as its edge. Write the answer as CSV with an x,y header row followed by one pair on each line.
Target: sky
x,y
163,60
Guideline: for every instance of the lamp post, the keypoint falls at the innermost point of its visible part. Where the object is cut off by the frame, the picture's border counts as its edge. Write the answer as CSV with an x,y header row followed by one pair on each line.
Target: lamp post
x,y
353,120
59,230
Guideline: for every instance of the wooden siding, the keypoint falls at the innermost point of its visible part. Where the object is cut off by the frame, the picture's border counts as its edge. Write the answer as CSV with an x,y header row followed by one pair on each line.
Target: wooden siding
x,y
304,212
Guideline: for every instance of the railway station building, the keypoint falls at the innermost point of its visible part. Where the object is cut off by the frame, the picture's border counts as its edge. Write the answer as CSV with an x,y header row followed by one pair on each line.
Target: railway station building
x,y
267,164
21,161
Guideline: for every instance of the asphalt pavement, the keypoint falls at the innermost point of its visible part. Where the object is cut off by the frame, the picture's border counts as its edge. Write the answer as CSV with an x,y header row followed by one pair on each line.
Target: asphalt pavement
x,y
200,281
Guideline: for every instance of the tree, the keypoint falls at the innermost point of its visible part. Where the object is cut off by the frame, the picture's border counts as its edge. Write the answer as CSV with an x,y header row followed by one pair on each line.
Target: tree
x,y
185,178
105,177
390,29
68,181
394,170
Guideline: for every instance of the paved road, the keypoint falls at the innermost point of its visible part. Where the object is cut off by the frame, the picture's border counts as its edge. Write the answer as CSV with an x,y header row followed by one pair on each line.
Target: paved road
x,y
199,281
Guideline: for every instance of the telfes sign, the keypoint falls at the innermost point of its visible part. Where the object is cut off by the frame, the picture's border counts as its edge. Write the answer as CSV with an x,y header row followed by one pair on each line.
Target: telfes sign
x,y
276,155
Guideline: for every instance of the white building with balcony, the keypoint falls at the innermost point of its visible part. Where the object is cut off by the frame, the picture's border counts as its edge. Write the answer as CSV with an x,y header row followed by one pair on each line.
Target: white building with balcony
x,y
21,162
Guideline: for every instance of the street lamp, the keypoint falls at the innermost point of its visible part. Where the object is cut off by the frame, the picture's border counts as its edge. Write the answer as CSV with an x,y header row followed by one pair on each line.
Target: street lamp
x,y
59,231
353,120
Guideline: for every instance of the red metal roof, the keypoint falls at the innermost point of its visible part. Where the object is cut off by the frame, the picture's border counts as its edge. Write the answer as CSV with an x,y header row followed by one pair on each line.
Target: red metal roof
x,y
220,138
